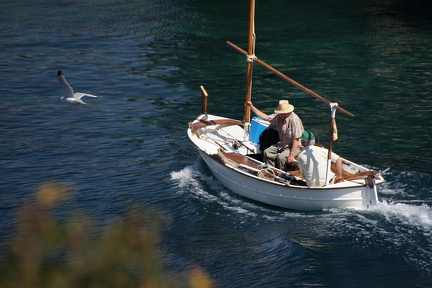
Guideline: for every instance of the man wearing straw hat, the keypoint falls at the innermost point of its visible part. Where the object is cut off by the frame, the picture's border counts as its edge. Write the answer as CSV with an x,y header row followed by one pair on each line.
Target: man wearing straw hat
x,y
290,129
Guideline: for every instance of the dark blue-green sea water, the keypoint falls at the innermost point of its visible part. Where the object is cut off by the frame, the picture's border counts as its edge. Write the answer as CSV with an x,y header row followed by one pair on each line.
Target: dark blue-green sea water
x,y
147,59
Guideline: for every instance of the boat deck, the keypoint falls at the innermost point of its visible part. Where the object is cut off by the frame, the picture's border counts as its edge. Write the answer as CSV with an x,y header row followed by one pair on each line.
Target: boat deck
x,y
241,159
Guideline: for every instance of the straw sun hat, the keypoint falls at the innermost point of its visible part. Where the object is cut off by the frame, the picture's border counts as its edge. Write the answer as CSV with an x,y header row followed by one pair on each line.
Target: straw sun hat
x,y
284,107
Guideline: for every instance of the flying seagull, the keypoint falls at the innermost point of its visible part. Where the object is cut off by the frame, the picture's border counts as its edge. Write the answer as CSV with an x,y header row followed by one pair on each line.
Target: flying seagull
x,y
69,95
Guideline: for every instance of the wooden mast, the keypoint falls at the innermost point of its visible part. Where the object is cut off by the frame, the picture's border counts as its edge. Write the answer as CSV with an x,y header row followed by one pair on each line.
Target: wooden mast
x,y
250,55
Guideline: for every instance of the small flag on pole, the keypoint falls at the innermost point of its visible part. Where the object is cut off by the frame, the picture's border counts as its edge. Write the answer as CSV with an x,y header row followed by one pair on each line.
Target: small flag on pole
x,y
333,120
334,129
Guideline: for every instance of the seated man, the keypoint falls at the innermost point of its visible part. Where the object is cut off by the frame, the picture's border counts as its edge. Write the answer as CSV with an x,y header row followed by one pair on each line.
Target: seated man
x,y
289,127
313,162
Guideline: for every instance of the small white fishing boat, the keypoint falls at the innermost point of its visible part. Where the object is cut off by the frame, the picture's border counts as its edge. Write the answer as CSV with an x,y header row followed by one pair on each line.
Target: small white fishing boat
x,y
231,149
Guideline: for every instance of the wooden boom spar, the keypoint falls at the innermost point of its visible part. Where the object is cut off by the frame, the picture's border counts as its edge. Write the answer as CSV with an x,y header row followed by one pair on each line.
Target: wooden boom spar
x,y
288,79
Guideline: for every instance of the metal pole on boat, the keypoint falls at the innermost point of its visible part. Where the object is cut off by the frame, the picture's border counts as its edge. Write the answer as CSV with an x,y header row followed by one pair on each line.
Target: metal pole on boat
x,y
332,137
249,68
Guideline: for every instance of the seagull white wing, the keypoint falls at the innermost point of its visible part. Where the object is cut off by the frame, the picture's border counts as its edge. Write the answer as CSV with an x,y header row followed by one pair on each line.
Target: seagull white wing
x,y
67,89
78,95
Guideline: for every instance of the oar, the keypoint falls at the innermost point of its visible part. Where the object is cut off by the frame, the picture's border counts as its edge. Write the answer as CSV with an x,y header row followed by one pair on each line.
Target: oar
x,y
360,174
288,79
219,128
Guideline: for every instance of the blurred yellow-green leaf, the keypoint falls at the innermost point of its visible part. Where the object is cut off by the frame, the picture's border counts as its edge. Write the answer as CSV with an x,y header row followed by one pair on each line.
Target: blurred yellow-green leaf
x,y
75,253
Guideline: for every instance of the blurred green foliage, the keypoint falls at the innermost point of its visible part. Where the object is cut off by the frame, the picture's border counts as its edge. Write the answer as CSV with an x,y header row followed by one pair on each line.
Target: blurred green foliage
x,y
74,253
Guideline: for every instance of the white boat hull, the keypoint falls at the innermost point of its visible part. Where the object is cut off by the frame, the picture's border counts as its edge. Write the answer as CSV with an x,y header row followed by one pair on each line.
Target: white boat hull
x,y
347,194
